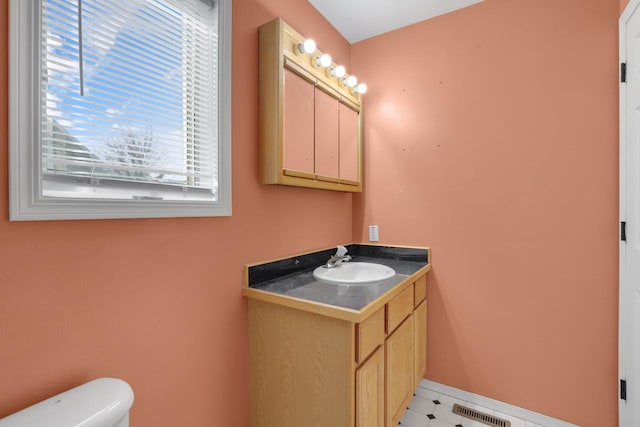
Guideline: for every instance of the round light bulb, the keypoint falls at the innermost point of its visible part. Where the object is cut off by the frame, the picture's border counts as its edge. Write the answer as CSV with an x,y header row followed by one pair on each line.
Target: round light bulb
x,y
324,60
361,88
352,81
309,46
339,71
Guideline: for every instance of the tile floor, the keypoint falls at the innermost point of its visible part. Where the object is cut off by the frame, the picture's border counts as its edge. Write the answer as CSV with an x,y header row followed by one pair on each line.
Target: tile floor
x,y
431,409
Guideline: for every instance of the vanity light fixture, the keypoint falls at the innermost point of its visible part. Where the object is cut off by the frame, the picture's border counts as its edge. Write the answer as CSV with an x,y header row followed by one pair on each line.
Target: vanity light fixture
x,y
361,89
339,71
309,46
350,81
324,60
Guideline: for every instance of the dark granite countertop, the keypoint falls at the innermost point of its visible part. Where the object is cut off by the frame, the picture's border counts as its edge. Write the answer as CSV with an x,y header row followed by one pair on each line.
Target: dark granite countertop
x,y
293,277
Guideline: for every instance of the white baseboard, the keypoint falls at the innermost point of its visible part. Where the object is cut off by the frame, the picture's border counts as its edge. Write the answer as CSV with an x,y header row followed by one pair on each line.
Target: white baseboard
x,y
496,405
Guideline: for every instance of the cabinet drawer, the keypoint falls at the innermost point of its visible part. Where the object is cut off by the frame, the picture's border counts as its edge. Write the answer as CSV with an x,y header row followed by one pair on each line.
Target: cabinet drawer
x,y
419,290
370,334
399,308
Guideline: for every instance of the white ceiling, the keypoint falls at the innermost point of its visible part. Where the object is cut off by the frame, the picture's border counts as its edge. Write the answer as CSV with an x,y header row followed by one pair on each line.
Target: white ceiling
x,y
357,20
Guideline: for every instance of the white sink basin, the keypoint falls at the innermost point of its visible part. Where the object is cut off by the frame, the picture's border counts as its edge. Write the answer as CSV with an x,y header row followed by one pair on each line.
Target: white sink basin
x,y
354,273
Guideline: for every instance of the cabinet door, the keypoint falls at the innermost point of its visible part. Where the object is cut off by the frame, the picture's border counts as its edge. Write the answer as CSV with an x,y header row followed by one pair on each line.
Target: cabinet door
x,y
420,342
297,141
349,125
370,391
399,371
326,133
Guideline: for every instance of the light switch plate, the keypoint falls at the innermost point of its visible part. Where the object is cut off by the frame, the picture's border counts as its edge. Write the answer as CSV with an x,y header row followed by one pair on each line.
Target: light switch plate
x,y
373,233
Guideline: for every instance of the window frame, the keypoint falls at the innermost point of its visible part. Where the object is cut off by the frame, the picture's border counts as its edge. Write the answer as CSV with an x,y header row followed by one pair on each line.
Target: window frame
x,y
26,202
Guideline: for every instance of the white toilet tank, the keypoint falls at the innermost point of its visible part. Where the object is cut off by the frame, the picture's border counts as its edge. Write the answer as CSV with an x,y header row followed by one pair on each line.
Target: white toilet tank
x,y
104,402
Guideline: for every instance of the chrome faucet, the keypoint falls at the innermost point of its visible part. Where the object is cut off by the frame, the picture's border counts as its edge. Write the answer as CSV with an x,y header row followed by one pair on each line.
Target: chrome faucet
x,y
339,257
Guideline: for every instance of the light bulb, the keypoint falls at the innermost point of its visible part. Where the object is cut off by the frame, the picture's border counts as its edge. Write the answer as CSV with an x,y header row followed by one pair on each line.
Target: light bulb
x,y
309,46
352,81
324,60
361,88
338,72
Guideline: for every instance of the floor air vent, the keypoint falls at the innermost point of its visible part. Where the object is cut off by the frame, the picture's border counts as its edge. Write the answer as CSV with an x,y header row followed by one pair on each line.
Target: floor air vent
x,y
487,419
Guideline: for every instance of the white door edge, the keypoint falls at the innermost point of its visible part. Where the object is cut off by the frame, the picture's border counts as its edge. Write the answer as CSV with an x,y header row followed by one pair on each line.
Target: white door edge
x,y
626,417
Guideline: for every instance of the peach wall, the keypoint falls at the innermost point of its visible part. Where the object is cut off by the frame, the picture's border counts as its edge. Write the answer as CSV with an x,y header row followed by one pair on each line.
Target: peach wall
x,y
157,302
491,136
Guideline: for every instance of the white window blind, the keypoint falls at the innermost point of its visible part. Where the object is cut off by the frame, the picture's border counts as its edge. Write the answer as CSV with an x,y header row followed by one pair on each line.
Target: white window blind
x,y
129,99
119,109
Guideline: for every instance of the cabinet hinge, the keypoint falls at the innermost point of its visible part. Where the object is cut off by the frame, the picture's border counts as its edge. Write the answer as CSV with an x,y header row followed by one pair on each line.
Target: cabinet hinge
x,y
623,389
623,72
623,231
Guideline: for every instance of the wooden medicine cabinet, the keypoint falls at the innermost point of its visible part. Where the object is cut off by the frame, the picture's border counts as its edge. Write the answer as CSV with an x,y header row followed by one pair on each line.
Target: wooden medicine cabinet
x,y
310,123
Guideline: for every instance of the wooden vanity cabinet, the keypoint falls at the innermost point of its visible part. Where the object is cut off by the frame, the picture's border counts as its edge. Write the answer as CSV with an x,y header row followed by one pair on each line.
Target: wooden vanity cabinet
x,y
370,391
405,348
311,369
301,368
370,334
309,122
420,329
399,362
420,343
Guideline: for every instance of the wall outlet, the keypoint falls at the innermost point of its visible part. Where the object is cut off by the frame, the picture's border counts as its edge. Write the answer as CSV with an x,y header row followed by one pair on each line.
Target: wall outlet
x,y
373,233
